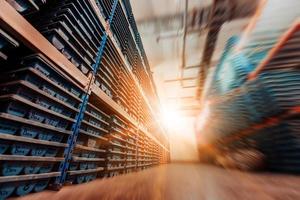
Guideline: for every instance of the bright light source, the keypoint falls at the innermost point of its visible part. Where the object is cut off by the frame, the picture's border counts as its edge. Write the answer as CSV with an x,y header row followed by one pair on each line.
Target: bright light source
x,y
172,119
203,117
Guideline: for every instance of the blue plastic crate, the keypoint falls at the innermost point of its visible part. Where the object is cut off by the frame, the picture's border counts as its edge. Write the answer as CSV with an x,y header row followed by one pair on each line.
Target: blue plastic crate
x,y
4,146
42,102
61,97
8,128
76,92
80,179
41,64
48,90
52,121
69,52
79,17
24,188
39,151
74,43
283,85
51,152
83,165
90,177
91,130
81,29
31,168
45,135
281,145
11,168
6,190
45,102
36,116
62,124
92,155
46,168
95,123
49,104
92,166
41,185
56,138
20,149
73,166
16,109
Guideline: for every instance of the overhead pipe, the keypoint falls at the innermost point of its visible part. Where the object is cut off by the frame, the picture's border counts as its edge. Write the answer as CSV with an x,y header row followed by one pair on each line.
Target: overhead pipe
x,y
193,27
185,15
183,64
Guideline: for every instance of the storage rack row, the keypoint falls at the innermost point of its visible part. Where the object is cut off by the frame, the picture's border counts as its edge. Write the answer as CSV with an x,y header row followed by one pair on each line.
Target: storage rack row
x,y
58,26
257,103
127,72
55,127
131,47
128,149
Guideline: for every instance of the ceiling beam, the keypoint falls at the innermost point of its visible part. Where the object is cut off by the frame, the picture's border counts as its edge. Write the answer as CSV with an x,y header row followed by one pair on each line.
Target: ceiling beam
x,y
180,79
222,11
173,25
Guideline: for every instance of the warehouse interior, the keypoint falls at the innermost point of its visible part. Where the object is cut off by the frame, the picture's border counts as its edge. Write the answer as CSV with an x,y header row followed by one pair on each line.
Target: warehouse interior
x,y
149,99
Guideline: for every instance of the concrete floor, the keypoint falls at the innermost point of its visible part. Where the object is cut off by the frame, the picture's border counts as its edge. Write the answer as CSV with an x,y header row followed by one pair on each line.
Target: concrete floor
x,y
182,182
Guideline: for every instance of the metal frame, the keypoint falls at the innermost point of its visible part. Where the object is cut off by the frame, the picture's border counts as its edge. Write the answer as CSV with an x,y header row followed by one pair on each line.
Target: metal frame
x,y
76,126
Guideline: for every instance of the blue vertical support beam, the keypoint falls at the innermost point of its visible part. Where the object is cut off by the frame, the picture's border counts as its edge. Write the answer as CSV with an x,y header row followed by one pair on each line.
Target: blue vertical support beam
x,y
63,168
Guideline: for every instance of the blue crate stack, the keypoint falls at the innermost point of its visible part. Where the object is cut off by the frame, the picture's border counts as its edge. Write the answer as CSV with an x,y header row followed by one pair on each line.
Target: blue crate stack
x,y
239,104
131,153
117,140
281,78
38,107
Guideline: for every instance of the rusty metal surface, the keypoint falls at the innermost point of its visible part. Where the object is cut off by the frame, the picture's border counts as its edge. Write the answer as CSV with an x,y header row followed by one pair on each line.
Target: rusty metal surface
x,y
183,181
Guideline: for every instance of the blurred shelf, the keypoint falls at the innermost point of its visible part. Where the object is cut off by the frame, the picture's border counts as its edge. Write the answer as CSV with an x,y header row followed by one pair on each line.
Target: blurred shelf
x,y
30,140
88,171
30,158
78,146
33,123
79,159
276,50
30,177
275,120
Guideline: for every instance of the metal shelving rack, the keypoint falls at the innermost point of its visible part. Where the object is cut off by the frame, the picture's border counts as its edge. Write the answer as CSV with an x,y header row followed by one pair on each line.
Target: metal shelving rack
x,y
260,104
83,151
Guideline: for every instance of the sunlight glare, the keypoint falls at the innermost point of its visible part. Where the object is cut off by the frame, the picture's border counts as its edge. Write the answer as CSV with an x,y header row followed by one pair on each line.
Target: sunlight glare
x,y
173,120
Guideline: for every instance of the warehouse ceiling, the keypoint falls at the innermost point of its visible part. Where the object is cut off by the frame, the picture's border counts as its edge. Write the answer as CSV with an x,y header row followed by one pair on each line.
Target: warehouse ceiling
x,y
161,25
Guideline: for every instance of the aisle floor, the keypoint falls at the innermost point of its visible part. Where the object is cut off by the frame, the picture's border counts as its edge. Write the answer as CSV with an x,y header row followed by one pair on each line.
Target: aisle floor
x,y
182,182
